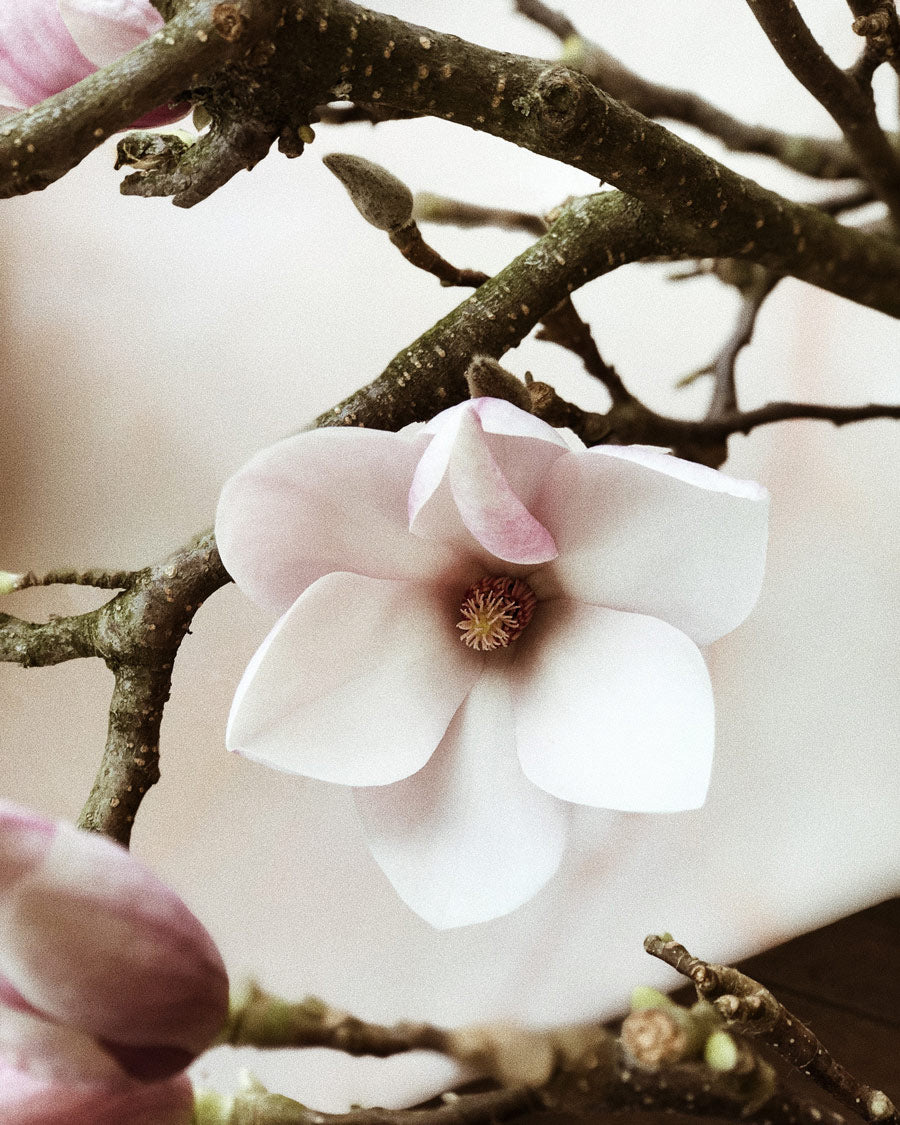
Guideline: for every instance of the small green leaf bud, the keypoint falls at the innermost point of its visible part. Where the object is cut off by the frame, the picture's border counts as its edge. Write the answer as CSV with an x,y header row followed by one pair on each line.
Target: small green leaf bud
x,y
720,1051
643,997
212,1108
381,199
574,50
10,582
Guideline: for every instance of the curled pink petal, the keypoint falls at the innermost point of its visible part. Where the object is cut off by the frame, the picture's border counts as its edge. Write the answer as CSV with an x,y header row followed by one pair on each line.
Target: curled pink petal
x,y
95,942
105,29
613,709
484,483
333,499
356,684
640,530
467,838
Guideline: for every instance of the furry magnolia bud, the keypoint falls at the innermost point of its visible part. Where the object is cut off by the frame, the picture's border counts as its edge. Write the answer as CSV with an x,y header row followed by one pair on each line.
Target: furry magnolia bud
x,y
381,199
487,379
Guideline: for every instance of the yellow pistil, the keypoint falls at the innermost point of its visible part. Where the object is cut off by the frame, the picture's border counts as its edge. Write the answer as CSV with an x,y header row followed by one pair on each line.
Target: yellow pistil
x,y
495,611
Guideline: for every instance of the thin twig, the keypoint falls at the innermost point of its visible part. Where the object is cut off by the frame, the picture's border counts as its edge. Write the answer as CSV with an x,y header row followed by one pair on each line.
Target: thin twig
x,y
432,208
814,156
563,326
409,241
747,1005
877,21
849,103
262,1019
724,397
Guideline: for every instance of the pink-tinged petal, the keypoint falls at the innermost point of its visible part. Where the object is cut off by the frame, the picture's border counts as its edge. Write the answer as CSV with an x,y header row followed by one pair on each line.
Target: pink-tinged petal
x,y
105,29
468,838
357,682
613,709
25,839
51,1076
476,482
47,1054
93,940
332,499
640,530
37,54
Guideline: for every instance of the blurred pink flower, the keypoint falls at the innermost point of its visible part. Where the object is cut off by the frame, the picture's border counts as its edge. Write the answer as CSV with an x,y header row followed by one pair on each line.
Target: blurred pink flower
x,y
48,45
109,986
384,552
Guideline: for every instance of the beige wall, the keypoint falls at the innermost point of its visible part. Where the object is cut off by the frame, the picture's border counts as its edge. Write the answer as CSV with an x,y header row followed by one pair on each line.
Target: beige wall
x,y
146,352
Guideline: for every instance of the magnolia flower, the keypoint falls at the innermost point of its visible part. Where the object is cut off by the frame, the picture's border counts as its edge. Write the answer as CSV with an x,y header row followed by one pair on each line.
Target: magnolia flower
x,y
483,621
109,986
47,45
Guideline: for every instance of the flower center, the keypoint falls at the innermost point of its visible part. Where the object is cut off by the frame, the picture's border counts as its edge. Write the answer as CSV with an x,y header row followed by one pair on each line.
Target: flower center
x,y
495,611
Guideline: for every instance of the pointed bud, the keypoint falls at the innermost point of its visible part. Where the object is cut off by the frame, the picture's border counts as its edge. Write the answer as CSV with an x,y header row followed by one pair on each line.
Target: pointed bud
x,y
381,199
487,379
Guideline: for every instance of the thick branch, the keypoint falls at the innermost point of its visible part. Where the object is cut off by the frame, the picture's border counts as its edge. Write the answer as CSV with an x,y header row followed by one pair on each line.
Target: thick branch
x,y
814,156
339,49
747,1005
41,144
849,103
709,210
592,235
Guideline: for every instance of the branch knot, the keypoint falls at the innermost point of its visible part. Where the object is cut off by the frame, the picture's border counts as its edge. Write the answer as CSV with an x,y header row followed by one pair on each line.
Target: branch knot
x,y
562,98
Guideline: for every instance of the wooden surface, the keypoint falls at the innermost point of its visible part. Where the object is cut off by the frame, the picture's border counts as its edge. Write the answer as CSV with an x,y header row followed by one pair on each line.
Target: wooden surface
x,y
844,982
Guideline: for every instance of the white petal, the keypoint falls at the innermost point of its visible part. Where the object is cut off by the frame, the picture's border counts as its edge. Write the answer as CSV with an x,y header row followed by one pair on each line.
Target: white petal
x,y
105,29
333,499
468,838
613,709
642,531
356,683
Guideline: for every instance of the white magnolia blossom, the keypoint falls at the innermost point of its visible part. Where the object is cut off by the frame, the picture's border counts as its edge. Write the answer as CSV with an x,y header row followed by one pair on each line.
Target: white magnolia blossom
x,y
483,621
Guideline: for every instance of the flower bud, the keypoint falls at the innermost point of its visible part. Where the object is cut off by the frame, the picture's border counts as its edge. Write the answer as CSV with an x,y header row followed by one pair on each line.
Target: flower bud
x,y
381,199
95,945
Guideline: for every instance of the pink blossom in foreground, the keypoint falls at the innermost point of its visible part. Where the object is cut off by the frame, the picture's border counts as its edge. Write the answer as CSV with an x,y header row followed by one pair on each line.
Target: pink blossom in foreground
x,y
48,45
373,547
109,986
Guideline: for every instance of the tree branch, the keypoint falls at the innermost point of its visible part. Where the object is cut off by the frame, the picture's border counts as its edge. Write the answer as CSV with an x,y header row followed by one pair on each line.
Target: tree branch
x,y
709,210
813,156
591,236
849,103
724,398
432,208
877,22
747,1005
137,634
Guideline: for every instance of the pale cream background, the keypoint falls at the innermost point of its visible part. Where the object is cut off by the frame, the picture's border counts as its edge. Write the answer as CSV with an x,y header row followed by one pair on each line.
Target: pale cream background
x,y
146,352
